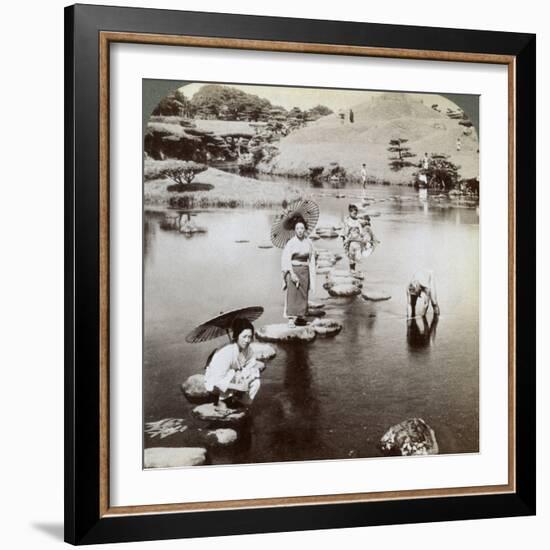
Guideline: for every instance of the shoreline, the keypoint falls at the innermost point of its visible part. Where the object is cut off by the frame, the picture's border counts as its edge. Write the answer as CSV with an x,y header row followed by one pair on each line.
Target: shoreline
x,y
230,191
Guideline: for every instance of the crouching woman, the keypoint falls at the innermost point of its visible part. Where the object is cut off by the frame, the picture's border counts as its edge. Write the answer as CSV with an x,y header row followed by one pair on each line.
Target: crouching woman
x,y
233,372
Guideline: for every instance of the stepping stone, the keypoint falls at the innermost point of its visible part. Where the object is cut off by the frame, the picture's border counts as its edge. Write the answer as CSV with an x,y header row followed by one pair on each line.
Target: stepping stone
x,y
242,241
195,391
323,270
375,295
282,333
265,246
263,352
326,327
316,313
209,411
222,437
174,457
410,437
332,281
315,305
344,290
324,263
314,237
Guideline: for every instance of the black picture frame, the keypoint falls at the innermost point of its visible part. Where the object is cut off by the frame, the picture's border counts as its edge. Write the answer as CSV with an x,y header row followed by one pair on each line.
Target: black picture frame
x,y
85,519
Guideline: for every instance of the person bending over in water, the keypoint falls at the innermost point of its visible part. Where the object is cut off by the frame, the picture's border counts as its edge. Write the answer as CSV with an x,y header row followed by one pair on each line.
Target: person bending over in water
x,y
421,292
233,371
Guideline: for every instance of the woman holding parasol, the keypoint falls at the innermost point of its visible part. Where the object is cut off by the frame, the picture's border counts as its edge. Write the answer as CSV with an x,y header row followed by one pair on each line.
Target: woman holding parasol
x,y
298,258
232,371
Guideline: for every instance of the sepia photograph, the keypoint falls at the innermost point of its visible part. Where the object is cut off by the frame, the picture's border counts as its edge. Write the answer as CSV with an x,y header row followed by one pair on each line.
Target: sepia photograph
x,y
310,274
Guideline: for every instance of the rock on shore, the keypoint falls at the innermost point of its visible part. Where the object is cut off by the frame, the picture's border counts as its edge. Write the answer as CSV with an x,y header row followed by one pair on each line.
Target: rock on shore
x,y
172,457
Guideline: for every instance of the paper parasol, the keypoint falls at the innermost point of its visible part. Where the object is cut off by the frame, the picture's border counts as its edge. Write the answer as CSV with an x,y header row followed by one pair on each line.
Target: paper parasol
x,y
220,325
282,229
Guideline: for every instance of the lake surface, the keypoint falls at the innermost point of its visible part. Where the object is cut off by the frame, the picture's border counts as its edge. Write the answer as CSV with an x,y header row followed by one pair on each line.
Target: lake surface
x,y
336,397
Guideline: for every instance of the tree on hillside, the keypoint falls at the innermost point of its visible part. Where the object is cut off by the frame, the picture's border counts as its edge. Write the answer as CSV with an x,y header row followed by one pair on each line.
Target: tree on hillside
x,y
213,99
183,172
170,105
403,152
319,111
442,173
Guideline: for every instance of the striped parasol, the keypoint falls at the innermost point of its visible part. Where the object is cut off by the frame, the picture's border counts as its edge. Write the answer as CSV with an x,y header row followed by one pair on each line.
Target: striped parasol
x,y
220,325
282,229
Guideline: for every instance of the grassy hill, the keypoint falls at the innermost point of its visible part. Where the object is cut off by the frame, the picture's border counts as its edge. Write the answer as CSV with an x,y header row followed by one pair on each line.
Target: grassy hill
x,y
385,117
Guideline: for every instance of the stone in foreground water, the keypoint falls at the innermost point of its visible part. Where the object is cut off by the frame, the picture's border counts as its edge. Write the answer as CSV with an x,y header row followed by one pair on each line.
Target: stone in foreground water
x,y
172,457
345,290
410,437
282,333
263,352
195,391
326,327
375,295
222,437
211,412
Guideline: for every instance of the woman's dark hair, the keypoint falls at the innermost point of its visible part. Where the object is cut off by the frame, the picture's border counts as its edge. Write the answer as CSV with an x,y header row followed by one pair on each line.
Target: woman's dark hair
x,y
239,325
353,207
298,219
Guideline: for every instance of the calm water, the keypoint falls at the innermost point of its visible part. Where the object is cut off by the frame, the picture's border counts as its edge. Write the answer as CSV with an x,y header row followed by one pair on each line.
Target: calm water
x,y
333,398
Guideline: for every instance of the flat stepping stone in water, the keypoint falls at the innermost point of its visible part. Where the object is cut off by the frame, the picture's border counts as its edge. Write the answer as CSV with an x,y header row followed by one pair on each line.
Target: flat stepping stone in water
x,y
221,437
263,352
332,281
265,246
375,295
324,263
341,273
314,237
410,437
316,313
195,391
283,333
315,305
209,411
242,241
328,235
323,270
326,327
344,290
172,457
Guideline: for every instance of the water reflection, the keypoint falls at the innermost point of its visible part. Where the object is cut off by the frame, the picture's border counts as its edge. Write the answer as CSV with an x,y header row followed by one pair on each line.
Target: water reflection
x,y
351,386
297,404
421,334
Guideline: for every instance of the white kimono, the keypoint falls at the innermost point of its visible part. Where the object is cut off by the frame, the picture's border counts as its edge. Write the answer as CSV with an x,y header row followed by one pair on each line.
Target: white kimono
x,y
229,365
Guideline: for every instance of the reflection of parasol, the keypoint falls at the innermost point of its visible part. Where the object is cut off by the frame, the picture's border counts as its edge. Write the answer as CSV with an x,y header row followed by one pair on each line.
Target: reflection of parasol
x,y
222,323
282,229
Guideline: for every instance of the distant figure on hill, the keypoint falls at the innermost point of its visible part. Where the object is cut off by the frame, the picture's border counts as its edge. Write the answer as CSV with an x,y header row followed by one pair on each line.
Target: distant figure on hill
x,y
351,116
364,175
342,116
425,162
421,292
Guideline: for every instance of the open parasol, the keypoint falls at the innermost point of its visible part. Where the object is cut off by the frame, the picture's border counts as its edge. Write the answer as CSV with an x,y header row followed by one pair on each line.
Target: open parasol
x,y
220,325
282,229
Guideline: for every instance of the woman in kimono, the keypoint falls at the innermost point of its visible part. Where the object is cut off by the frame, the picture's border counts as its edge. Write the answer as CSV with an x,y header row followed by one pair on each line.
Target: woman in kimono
x,y
233,371
298,269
